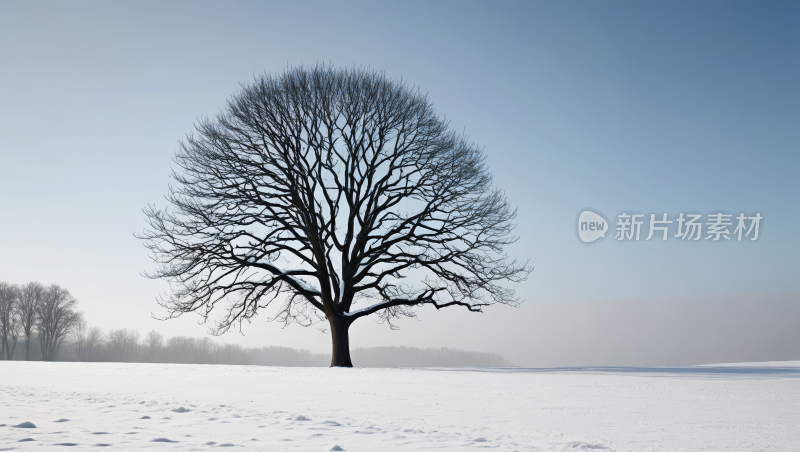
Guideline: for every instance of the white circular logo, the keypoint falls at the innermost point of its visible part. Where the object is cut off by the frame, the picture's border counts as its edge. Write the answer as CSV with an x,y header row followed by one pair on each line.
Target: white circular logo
x,y
591,226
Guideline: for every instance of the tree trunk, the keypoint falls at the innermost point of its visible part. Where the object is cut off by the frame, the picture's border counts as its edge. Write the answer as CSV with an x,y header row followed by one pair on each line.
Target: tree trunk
x,y
27,348
10,346
46,348
340,336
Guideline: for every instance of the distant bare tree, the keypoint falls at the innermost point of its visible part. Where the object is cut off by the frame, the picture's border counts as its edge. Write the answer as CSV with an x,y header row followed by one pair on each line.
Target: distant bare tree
x,y
85,337
10,324
93,341
79,331
29,299
182,349
153,341
321,188
56,319
115,344
123,345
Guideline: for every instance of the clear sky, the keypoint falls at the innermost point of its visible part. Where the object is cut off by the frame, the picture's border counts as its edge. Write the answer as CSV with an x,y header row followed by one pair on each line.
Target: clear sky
x,y
651,107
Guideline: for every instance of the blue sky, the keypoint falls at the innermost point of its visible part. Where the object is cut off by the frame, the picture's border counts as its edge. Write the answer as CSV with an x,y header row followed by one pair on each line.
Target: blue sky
x,y
618,106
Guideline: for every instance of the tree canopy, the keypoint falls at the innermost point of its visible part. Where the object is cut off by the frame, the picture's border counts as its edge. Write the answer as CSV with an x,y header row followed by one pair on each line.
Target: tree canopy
x,y
328,195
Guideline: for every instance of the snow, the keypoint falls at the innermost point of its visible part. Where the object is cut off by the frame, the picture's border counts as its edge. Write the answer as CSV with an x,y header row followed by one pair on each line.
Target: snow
x,y
285,273
302,284
732,407
757,364
357,311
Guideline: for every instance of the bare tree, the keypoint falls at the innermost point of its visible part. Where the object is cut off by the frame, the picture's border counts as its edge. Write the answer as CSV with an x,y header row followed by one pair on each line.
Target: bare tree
x,y
81,334
153,341
56,318
123,345
93,341
10,324
29,298
321,189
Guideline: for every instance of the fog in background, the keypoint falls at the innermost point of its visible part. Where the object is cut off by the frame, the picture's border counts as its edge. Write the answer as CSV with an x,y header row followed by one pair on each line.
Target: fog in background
x,y
618,106
129,346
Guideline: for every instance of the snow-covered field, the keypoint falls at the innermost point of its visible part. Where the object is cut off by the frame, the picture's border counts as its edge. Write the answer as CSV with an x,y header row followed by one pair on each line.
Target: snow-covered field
x,y
196,407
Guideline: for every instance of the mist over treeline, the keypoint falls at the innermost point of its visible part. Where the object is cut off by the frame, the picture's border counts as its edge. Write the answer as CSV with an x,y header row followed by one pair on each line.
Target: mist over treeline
x,y
125,345
41,323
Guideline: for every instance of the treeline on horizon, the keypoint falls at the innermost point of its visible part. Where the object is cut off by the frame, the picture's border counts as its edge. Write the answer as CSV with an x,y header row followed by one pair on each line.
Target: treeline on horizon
x,y
40,323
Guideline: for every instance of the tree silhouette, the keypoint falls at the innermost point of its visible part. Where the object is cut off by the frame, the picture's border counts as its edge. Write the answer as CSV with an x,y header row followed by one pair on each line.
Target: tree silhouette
x,y
56,318
10,323
30,295
330,195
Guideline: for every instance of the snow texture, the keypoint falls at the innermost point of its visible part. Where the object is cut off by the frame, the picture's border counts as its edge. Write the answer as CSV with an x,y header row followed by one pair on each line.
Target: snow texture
x,y
132,407
358,311
302,284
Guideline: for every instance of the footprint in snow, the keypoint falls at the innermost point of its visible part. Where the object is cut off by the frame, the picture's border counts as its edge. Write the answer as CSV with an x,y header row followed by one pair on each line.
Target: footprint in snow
x,y
299,418
25,440
582,445
102,445
336,448
479,440
181,410
210,443
163,440
62,420
145,417
66,444
99,433
25,425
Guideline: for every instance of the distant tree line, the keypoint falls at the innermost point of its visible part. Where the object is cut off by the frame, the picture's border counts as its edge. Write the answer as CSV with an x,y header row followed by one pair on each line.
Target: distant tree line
x,y
39,322
425,357
46,313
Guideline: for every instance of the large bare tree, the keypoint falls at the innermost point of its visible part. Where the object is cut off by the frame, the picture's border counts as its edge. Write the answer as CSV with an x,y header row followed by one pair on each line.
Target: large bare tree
x,y
30,295
56,318
331,194
10,324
